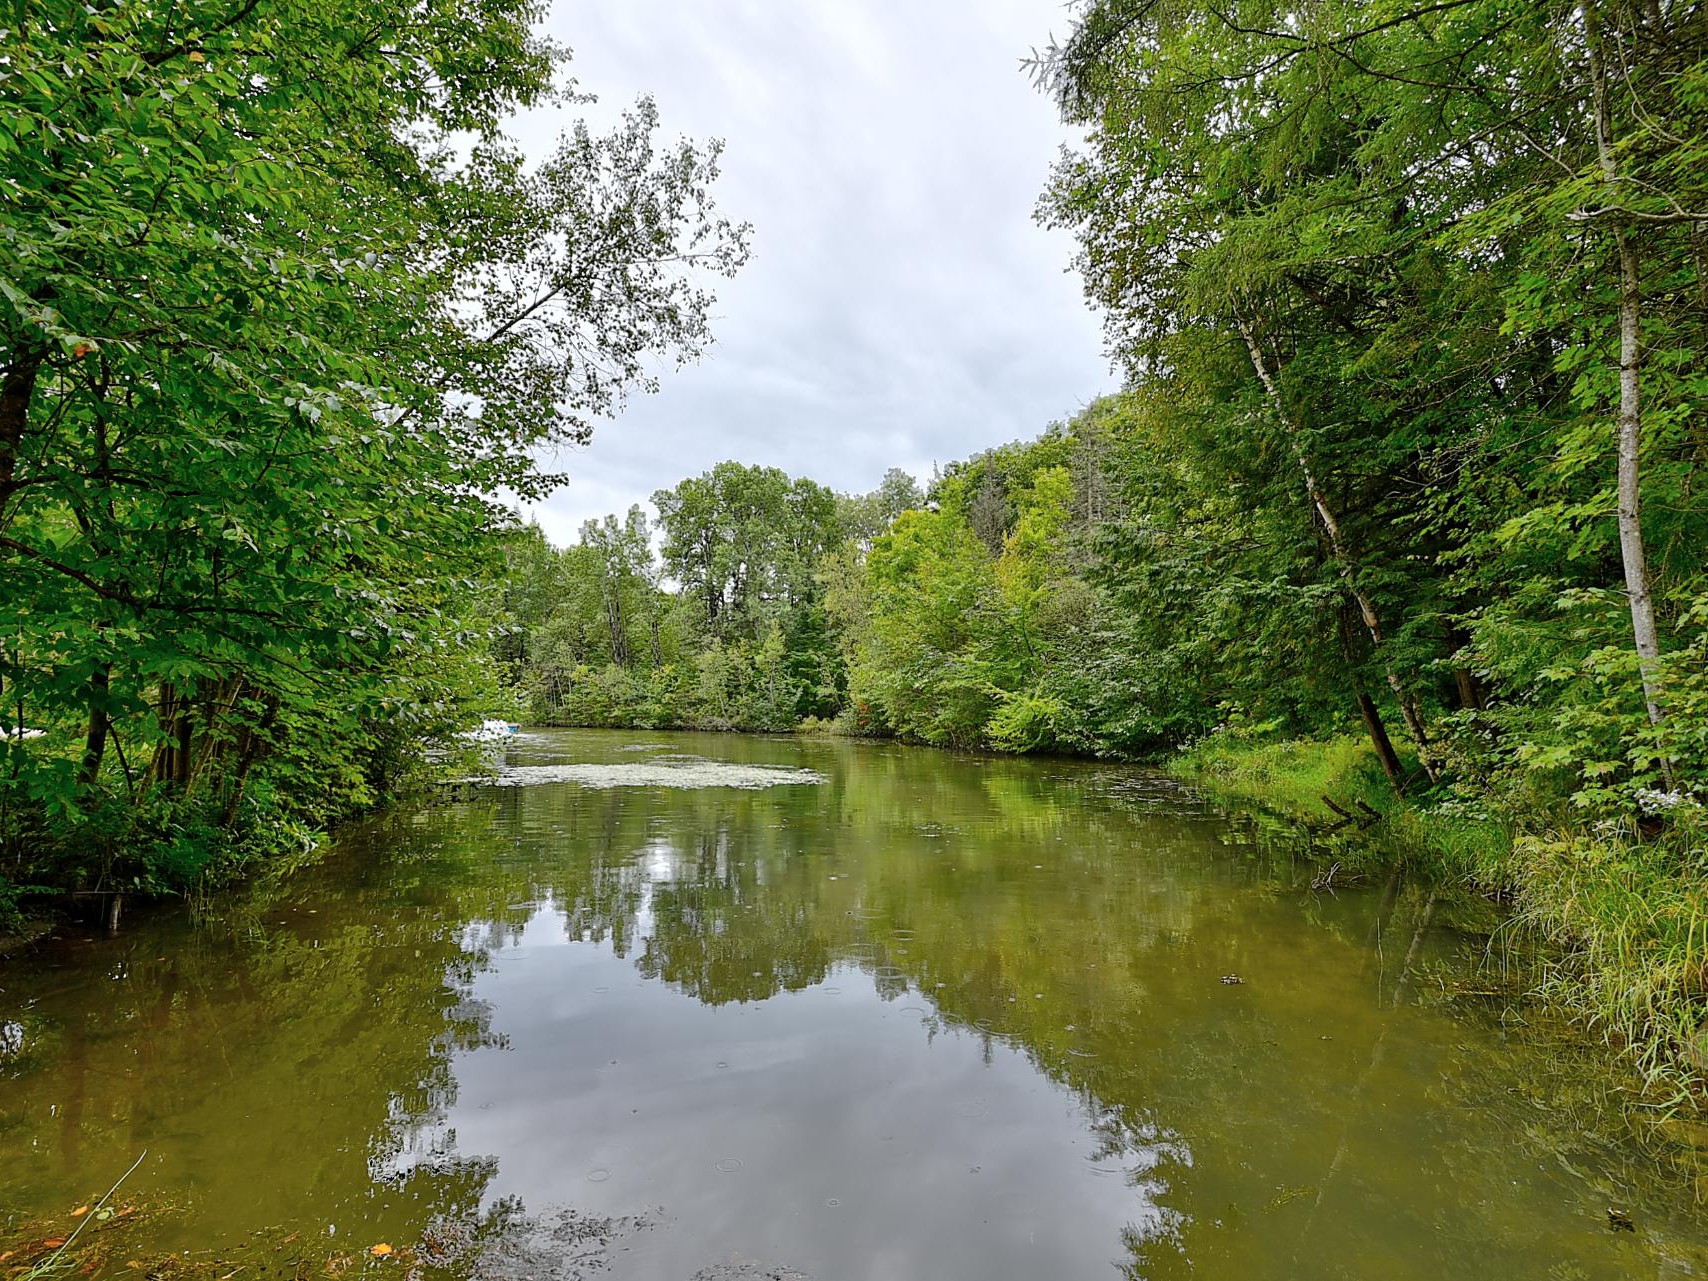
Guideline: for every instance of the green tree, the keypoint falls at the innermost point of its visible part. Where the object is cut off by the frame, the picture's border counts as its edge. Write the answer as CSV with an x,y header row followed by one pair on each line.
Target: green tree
x,y
746,542
622,558
1456,251
865,516
268,343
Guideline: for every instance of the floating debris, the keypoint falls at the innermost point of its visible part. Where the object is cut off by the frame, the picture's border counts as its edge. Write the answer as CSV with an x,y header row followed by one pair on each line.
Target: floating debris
x,y
1286,1196
742,1271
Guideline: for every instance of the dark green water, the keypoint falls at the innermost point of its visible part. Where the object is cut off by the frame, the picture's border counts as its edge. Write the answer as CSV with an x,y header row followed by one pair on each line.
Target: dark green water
x,y
921,1017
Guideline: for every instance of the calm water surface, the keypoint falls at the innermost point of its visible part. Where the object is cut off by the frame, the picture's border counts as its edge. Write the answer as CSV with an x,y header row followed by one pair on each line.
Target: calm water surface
x,y
905,1016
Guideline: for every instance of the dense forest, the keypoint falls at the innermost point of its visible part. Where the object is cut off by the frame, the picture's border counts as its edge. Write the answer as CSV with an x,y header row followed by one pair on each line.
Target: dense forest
x,y
1411,308
733,623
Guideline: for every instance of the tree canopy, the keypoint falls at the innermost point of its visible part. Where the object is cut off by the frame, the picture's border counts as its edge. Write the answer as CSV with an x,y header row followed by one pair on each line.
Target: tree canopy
x,y
282,311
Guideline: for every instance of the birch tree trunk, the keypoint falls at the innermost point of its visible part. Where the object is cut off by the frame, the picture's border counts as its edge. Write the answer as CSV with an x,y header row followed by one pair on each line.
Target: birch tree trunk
x,y
1645,633
1344,561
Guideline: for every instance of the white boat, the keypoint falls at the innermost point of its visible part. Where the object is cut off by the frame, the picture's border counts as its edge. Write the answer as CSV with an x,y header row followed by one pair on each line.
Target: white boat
x,y
492,731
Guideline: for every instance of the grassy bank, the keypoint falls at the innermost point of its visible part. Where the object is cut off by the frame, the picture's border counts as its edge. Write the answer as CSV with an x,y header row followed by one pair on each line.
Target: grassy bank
x,y
1621,914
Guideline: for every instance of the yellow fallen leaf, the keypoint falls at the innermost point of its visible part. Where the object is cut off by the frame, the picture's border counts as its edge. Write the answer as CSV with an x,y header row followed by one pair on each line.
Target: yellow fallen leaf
x,y
381,1249
80,1211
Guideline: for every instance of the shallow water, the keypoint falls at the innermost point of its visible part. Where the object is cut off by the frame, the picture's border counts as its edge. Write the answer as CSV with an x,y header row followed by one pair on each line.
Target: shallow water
x,y
843,1011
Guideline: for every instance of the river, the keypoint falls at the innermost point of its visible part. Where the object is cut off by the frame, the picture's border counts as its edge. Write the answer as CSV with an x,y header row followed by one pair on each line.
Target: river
x,y
685,1006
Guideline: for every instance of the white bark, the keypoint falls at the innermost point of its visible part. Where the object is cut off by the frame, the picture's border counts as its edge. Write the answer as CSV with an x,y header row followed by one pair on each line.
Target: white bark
x,y
1344,561
1645,632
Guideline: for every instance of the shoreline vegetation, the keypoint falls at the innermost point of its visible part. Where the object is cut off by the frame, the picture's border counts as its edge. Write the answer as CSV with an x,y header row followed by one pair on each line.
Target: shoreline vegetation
x,y
282,308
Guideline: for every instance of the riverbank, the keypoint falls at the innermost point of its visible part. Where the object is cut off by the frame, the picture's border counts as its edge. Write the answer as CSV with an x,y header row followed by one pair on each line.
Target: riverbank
x,y
1622,914
163,844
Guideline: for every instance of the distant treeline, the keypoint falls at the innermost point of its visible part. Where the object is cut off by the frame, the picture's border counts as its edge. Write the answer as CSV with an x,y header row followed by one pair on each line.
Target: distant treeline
x,y
1147,574
744,638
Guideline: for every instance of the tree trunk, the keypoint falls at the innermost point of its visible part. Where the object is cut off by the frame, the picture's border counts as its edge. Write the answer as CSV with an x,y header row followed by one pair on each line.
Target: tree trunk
x,y
614,618
217,700
1631,550
1465,682
17,390
171,761
186,730
160,766
1379,737
1344,561
1469,688
1372,716
95,738
124,765
1645,633
254,742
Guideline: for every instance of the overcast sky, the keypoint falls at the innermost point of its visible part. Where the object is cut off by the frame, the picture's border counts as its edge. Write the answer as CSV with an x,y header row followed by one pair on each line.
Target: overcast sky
x,y
901,308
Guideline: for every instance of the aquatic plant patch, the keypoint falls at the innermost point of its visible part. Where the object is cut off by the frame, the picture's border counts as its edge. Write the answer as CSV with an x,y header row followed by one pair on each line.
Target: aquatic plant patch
x,y
679,772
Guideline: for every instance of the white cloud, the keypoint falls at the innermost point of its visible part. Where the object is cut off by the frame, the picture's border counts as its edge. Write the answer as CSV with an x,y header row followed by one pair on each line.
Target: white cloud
x,y
901,307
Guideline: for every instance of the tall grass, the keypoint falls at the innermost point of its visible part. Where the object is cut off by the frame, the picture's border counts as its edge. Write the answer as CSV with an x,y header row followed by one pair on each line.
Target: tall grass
x,y
1627,921
1293,775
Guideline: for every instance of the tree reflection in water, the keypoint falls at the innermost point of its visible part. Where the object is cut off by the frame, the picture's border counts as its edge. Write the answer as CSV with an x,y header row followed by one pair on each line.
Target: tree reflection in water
x,y
1056,932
